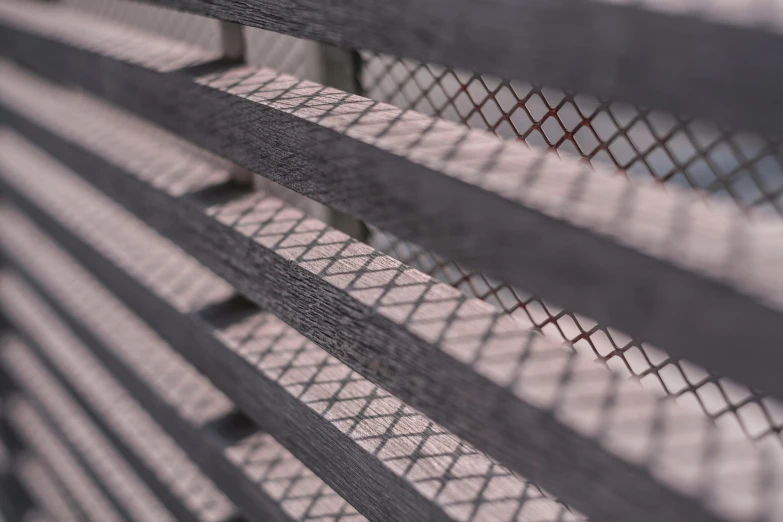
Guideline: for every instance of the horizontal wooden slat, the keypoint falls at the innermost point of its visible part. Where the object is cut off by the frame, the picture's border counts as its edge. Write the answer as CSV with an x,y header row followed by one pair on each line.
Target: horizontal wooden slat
x,y
714,59
111,476
698,281
27,485
70,423
525,422
15,502
264,479
201,500
47,490
355,434
149,468
90,501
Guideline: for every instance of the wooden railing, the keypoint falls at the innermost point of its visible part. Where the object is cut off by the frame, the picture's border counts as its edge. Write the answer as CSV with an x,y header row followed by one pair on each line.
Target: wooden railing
x,y
180,345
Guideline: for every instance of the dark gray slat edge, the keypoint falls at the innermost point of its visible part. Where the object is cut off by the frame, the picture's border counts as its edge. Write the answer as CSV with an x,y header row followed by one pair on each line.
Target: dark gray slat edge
x,y
53,427
284,410
84,495
699,61
494,421
586,241
142,473
205,447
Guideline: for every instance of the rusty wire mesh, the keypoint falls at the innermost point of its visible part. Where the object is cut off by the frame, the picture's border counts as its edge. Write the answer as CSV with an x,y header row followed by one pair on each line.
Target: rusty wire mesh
x,y
643,145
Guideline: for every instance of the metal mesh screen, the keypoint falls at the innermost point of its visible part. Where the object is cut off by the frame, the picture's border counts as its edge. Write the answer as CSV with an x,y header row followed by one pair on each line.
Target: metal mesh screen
x,y
644,145
641,143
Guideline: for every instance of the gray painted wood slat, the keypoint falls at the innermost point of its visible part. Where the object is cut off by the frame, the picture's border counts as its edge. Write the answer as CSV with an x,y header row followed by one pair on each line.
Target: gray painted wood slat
x,y
265,481
714,59
533,423
89,501
44,486
110,474
298,493
15,501
696,280
94,383
324,412
35,379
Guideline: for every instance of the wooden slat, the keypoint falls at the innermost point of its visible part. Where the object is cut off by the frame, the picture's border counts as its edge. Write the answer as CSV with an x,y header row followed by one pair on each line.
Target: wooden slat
x,y
47,490
118,487
70,424
623,435
263,479
153,456
150,469
26,484
201,500
714,59
90,501
698,281
15,502
302,396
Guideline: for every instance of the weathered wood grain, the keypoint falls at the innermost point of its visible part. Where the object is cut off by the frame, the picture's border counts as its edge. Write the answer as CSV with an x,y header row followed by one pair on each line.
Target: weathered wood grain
x,y
698,281
533,404
715,59
256,462
355,434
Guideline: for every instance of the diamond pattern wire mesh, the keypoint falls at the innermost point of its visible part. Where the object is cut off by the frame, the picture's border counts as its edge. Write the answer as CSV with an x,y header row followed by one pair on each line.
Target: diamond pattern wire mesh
x,y
640,142
644,145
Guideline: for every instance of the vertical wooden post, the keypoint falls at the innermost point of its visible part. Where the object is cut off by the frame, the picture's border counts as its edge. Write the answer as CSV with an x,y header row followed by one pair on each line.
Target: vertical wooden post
x,y
341,71
232,41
